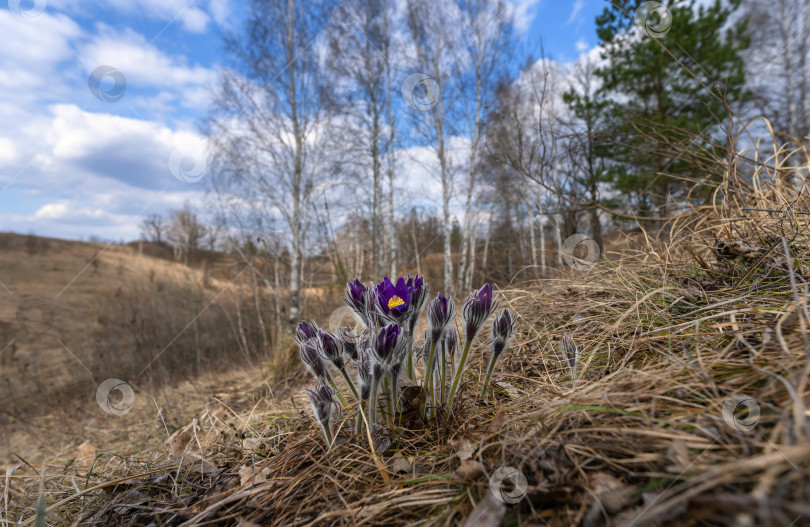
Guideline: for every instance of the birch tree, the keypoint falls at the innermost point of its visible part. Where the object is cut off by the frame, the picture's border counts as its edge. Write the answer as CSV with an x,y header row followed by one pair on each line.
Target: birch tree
x,y
487,27
270,142
435,45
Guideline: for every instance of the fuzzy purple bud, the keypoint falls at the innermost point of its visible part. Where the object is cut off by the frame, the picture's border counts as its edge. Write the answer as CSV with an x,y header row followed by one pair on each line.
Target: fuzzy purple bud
x,y
502,327
312,358
330,348
322,400
305,331
477,308
441,311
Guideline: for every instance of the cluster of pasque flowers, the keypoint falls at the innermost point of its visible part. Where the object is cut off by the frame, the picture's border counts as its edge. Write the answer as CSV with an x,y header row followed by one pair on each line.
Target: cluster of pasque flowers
x,y
384,352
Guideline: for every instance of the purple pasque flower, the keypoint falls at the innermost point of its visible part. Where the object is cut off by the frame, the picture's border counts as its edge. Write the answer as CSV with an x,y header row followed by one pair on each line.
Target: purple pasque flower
x,y
502,327
355,297
441,311
419,294
385,347
394,300
451,340
330,348
374,316
365,368
477,308
322,400
311,358
305,331
350,342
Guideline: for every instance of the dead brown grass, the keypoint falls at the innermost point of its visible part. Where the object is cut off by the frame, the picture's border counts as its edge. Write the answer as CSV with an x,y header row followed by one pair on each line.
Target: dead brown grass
x,y
670,331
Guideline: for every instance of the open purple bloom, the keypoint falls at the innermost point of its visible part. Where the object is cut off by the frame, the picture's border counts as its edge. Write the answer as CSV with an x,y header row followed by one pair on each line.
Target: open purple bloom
x,y
441,311
330,348
312,358
305,331
394,300
356,297
477,308
502,327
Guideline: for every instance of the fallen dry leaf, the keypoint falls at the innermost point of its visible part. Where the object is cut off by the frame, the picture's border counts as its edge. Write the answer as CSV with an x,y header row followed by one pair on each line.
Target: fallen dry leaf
x,y
469,469
399,465
487,513
177,446
613,494
85,454
510,390
248,475
498,421
463,448
251,443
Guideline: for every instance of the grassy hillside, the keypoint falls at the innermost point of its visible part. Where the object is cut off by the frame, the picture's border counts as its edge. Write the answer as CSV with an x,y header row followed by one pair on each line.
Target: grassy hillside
x,y
688,404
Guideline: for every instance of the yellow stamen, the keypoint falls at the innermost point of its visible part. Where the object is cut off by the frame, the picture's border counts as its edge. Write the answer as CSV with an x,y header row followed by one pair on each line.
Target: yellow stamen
x,y
395,301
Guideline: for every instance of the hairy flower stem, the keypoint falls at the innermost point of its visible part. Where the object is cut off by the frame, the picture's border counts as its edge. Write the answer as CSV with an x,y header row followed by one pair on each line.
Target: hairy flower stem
x,y
350,383
328,436
444,370
452,372
428,378
392,397
462,361
411,371
387,388
334,387
372,401
490,368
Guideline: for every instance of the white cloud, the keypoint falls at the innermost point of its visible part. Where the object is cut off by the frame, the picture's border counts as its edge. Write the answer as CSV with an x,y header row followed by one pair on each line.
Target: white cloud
x,y
7,151
141,64
192,18
581,45
578,5
524,12
220,11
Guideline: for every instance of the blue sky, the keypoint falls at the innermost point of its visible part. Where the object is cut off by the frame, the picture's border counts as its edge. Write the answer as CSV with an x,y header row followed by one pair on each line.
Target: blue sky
x,y
74,163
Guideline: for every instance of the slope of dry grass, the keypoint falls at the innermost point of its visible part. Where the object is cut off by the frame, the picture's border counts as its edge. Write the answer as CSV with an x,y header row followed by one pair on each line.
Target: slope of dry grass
x,y
689,410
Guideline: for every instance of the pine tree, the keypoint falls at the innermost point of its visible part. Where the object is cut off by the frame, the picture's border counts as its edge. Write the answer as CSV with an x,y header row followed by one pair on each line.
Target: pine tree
x,y
670,84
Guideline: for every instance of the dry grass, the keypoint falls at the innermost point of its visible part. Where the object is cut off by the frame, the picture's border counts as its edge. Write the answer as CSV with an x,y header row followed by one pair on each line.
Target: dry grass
x,y
713,310
668,332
